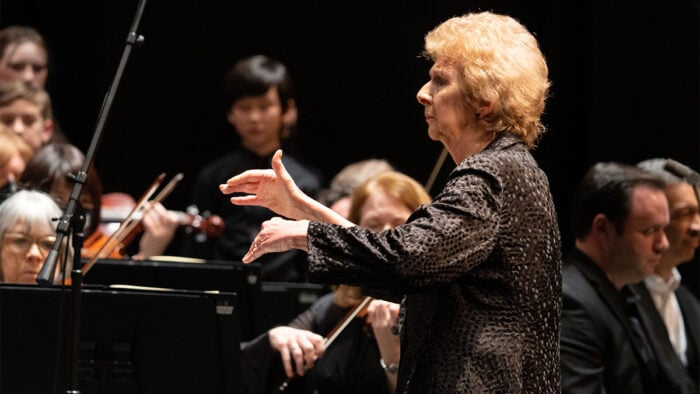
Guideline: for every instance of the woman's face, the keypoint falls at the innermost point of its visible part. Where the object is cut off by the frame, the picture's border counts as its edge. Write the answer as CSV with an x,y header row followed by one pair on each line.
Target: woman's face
x,y
445,110
382,212
25,61
23,251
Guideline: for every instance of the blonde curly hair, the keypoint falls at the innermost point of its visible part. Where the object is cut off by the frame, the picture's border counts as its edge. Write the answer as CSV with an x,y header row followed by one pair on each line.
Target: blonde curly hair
x,y
501,63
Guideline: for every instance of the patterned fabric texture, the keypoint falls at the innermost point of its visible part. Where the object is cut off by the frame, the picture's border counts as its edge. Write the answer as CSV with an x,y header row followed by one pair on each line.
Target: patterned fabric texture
x,y
481,270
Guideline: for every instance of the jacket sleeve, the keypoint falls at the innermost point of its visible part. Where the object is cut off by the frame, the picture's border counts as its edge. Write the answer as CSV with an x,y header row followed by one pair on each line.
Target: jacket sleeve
x,y
439,243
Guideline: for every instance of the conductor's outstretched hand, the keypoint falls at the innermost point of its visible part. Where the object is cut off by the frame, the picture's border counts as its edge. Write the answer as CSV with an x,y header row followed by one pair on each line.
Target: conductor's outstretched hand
x,y
273,189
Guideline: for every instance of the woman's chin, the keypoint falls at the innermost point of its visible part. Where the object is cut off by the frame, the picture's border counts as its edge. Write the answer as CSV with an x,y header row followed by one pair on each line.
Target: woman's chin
x,y
433,135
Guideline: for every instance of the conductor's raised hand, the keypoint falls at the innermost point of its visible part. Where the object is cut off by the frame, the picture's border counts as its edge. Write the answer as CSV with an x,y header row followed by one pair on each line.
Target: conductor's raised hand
x,y
273,189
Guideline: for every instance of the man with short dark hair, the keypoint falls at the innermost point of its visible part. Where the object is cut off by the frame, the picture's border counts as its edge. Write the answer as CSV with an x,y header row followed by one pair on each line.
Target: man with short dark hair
x,y
619,214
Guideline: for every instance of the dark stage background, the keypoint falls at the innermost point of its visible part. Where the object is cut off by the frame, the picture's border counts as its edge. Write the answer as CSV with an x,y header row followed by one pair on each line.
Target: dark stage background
x,y
625,81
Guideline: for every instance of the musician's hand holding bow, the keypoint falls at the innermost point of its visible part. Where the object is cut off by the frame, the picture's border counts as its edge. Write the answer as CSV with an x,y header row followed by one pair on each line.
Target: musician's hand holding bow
x,y
301,347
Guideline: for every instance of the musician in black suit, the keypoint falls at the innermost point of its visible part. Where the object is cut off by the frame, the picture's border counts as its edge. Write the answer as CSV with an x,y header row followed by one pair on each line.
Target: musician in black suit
x,y
668,311
619,213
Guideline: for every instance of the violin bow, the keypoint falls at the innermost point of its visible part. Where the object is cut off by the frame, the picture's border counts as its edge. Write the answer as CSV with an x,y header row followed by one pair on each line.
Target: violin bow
x,y
333,334
130,222
168,188
436,170
113,240
346,320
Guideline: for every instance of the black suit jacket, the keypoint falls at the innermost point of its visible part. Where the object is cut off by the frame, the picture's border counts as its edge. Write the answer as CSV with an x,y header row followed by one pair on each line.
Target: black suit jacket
x,y
674,377
601,349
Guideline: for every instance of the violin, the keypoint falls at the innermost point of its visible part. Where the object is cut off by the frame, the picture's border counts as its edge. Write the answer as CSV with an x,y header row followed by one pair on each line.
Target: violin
x,y
212,226
120,212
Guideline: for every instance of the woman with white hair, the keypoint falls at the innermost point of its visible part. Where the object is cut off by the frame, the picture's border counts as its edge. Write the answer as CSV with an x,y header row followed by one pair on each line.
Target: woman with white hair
x,y
27,234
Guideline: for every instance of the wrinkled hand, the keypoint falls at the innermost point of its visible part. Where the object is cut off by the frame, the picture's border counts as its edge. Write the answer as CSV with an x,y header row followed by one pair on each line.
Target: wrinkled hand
x,y
159,226
300,346
273,189
278,235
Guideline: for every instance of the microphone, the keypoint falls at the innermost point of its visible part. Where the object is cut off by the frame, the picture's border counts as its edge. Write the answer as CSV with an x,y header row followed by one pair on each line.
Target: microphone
x,y
682,171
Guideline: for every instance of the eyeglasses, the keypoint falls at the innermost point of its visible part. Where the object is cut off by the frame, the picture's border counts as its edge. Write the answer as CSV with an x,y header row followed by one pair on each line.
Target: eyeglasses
x,y
21,243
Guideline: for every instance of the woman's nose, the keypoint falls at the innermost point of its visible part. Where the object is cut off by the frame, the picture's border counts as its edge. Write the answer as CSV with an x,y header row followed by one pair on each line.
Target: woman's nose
x,y
35,252
422,96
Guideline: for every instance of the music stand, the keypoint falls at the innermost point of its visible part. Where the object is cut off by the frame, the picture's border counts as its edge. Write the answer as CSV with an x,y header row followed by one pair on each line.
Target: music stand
x,y
131,341
226,276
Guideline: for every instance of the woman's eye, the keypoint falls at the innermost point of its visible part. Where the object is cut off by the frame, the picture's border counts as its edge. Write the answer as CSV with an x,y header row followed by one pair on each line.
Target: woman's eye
x,y
23,243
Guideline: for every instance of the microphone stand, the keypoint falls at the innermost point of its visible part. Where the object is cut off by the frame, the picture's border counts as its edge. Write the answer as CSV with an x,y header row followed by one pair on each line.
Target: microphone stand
x,y
72,222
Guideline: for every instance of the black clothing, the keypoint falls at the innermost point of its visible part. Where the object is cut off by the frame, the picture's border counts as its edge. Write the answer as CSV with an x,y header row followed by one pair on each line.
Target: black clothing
x,y
603,347
350,364
674,376
242,223
7,190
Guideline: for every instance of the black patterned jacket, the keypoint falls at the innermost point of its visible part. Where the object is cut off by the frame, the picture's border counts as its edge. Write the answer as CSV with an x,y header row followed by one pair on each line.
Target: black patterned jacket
x,y
481,270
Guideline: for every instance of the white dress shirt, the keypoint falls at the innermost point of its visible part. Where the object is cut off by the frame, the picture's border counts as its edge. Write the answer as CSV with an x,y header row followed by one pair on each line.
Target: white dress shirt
x,y
664,296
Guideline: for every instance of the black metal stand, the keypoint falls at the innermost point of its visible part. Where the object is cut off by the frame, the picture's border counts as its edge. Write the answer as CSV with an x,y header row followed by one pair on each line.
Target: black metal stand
x,y
66,225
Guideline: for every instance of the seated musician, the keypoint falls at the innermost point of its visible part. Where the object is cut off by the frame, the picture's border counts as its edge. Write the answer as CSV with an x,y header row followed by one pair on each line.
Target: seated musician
x,y
48,171
365,355
259,103
27,234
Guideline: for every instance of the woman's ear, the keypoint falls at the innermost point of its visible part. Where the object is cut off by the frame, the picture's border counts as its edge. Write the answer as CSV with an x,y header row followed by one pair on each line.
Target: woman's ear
x,y
483,110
